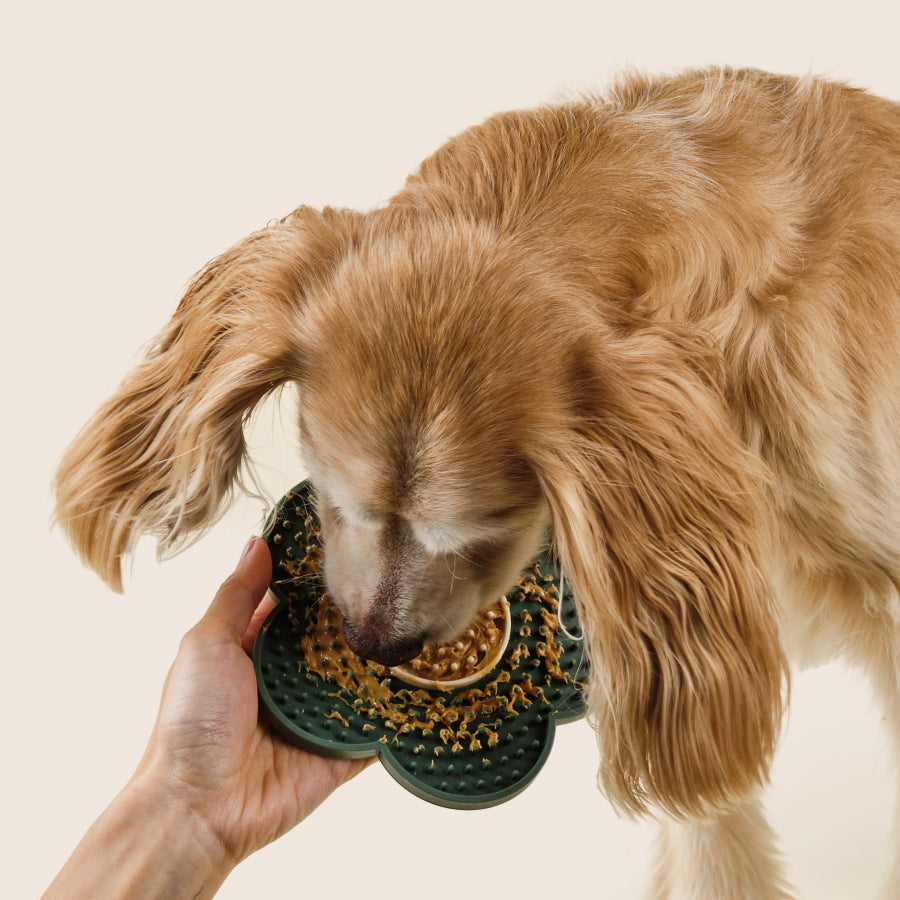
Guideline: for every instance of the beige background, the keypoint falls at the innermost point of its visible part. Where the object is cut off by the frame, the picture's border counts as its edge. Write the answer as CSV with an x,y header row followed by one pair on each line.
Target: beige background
x,y
139,141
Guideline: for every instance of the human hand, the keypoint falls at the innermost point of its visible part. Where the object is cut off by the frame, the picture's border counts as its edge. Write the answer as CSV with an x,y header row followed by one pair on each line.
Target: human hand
x,y
214,784
208,748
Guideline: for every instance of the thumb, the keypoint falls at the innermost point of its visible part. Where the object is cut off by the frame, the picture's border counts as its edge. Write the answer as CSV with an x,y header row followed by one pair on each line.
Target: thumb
x,y
242,591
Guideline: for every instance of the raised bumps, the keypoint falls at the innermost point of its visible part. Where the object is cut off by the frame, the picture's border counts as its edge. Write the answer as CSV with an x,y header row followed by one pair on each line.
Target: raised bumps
x,y
470,747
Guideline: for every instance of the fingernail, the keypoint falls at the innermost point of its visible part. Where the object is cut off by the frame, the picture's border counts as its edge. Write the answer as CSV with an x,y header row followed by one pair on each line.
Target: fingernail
x,y
248,546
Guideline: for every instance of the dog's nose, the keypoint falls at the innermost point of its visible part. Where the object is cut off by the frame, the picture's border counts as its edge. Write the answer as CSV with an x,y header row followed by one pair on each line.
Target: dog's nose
x,y
378,648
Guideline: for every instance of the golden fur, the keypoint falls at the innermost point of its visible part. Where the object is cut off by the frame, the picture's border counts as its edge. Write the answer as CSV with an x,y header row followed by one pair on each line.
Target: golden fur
x,y
665,321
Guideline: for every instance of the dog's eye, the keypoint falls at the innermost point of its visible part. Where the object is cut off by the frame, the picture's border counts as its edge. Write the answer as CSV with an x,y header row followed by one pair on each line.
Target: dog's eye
x,y
501,516
459,536
483,554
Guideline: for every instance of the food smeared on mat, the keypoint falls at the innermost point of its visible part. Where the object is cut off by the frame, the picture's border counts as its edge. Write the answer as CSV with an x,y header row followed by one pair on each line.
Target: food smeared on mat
x,y
466,746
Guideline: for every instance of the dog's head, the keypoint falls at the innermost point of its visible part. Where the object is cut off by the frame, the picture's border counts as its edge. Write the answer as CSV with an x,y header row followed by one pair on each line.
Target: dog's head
x,y
416,365
418,395
458,396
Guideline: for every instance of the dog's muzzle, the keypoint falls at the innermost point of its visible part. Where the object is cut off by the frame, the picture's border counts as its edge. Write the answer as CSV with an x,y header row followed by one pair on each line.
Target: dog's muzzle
x,y
375,646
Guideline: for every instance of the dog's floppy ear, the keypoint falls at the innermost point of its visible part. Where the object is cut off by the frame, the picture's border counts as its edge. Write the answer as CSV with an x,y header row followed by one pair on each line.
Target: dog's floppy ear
x,y
653,501
161,455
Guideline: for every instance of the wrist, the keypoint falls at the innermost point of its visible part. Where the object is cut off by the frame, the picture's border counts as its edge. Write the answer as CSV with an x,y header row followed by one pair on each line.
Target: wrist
x,y
149,843
184,847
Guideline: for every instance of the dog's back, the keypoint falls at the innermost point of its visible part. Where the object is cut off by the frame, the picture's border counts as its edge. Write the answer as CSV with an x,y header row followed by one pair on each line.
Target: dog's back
x,y
763,211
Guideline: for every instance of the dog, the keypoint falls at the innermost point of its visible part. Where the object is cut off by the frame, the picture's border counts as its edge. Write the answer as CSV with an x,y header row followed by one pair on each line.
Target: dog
x,y
662,321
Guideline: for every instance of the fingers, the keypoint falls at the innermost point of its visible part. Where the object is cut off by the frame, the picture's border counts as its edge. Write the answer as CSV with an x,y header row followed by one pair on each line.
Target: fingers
x,y
241,593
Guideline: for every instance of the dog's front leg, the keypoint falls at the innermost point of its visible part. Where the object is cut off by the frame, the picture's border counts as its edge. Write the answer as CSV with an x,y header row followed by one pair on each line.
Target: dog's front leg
x,y
729,856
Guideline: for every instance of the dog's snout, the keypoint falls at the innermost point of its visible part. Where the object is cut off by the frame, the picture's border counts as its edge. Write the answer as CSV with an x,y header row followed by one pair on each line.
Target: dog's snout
x,y
380,648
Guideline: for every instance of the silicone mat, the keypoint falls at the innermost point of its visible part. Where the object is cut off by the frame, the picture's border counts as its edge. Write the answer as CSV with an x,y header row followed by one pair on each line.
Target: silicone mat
x,y
467,748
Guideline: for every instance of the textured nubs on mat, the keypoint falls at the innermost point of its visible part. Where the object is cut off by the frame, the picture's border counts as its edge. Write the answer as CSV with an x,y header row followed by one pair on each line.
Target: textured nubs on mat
x,y
464,742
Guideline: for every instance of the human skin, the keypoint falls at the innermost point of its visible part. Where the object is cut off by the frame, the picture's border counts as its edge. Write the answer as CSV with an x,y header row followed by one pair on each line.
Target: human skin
x,y
215,784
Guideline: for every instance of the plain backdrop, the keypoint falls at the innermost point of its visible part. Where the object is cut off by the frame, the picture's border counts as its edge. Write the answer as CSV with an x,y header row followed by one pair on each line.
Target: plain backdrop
x,y
138,141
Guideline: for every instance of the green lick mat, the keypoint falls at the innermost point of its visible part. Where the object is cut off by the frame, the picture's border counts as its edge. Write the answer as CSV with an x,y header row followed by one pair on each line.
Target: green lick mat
x,y
467,747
